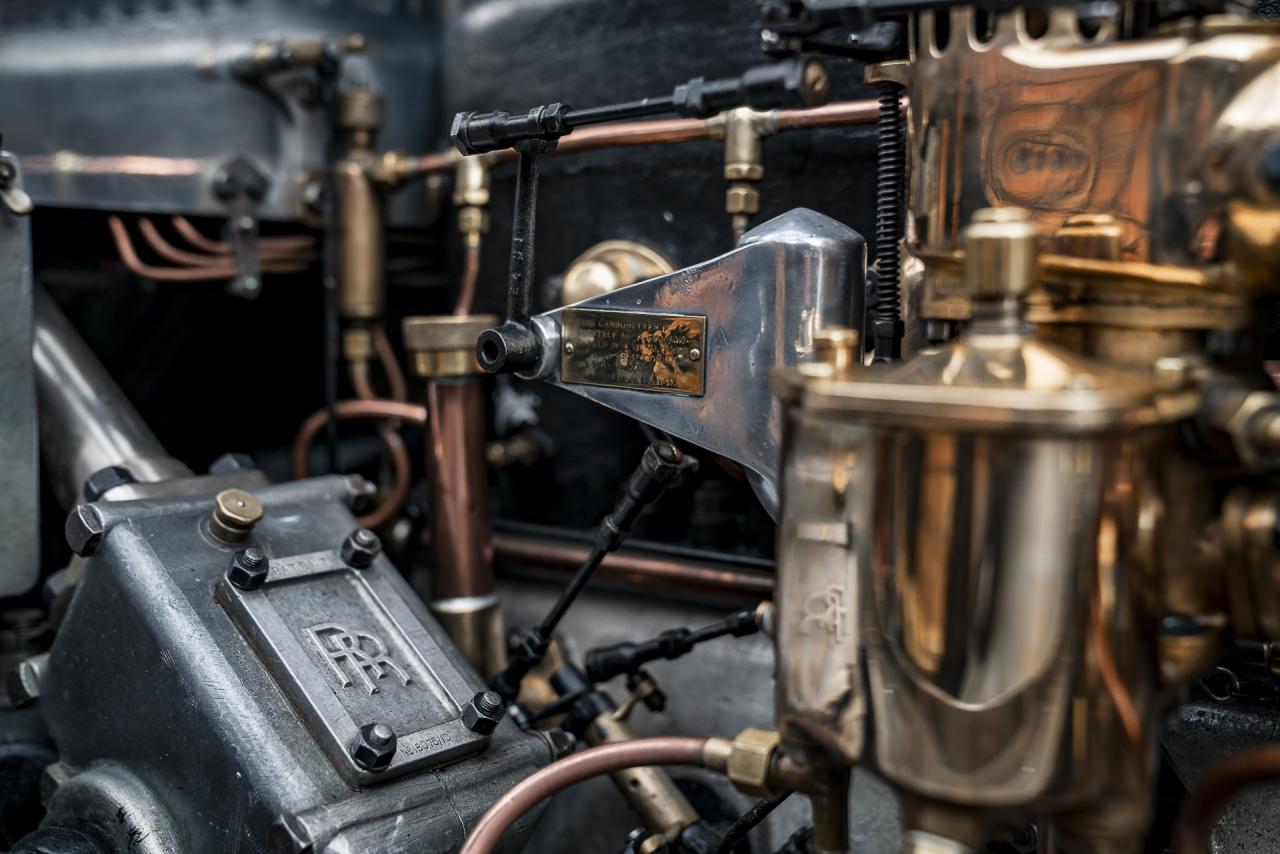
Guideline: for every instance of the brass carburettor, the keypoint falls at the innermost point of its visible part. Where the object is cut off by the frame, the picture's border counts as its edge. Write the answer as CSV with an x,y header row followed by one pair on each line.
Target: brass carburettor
x,y
998,556
964,535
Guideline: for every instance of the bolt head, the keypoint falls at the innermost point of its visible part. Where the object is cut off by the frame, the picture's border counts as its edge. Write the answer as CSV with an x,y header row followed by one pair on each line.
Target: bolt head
x,y
24,680
104,480
483,712
360,548
232,463
84,529
695,354
374,747
249,569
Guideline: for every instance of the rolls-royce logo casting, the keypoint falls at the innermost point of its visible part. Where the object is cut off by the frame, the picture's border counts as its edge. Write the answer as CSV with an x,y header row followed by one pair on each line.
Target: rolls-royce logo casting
x,y
355,655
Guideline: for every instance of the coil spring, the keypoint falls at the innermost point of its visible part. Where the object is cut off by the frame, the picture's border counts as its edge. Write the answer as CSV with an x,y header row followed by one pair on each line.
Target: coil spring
x,y
890,168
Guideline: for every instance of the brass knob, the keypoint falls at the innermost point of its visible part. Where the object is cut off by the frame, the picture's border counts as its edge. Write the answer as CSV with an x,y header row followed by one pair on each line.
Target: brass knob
x,y
1000,253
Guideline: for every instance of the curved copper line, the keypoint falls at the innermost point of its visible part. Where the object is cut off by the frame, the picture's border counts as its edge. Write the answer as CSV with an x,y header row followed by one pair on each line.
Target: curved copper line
x,y
537,787
348,409
470,275
124,247
277,262
390,364
274,245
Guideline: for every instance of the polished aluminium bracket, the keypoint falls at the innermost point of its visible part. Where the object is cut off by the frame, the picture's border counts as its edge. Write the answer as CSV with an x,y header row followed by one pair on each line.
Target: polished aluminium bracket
x,y
690,353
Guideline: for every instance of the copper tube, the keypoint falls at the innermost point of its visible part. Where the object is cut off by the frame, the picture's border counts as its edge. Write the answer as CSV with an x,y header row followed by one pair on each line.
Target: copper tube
x,y
1215,791
196,238
347,409
658,131
271,260
667,750
396,452
470,275
390,364
634,568
459,489
866,112
425,164
216,269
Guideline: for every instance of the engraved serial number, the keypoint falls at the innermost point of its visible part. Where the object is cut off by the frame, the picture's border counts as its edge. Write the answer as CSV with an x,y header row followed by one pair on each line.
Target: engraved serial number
x,y
426,744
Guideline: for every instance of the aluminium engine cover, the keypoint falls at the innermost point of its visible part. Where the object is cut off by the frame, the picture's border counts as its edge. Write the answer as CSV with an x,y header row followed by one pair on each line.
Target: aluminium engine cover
x,y
192,715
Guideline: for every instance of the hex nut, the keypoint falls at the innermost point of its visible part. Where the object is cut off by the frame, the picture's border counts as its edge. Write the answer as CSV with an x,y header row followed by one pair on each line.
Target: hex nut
x,y
360,548
750,760
84,529
374,747
232,463
249,569
483,712
742,200
1245,418
104,480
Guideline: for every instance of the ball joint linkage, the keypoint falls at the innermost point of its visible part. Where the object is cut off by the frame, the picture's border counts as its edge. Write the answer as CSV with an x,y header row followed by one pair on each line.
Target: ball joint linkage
x,y
662,466
514,346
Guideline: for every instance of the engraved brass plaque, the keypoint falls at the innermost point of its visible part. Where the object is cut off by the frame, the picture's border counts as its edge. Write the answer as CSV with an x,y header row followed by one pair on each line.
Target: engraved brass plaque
x,y
634,349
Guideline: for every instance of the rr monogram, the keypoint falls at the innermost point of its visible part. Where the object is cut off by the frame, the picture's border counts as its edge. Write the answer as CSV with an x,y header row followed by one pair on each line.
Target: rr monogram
x,y
355,655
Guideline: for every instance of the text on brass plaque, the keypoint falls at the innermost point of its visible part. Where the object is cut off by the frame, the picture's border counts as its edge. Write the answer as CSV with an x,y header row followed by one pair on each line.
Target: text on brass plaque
x,y
634,349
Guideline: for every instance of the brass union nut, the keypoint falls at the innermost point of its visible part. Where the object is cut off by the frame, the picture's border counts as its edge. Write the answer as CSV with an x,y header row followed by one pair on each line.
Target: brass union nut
x,y
740,199
357,345
473,220
749,762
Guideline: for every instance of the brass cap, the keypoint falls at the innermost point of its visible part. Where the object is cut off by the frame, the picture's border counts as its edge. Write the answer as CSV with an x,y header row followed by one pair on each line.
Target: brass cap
x,y
235,512
360,108
1000,248
357,344
445,345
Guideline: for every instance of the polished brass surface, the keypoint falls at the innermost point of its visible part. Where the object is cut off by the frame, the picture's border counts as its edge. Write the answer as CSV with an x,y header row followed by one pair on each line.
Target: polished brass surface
x,y
610,265
445,345
661,805
357,344
1066,126
475,624
235,512
1000,254
360,234
633,349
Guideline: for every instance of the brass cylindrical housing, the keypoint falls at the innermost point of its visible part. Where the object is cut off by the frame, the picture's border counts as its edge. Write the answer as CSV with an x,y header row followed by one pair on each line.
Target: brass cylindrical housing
x,y
360,225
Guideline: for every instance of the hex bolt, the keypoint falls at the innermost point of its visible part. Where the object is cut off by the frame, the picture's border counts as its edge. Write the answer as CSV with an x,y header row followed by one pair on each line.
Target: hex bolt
x,y
695,354
483,712
235,512
232,463
104,480
360,548
84,529
249,569
25,679
374,747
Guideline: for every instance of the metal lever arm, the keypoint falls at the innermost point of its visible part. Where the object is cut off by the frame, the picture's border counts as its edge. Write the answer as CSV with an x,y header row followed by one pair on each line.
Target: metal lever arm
x,y
690,353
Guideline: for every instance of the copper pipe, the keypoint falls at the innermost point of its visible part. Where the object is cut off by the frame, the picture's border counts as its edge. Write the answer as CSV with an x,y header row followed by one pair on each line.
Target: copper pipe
x,y
634,568
660,131
470,275
347,409
217,269
396,452
839,114
459,489
271,261
529,792
390,364
1215,791
196,238
425,164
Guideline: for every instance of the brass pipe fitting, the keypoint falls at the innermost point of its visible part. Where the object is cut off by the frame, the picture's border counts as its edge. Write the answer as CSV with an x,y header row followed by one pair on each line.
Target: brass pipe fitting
x,y
742,131
471,184
359,208
650,791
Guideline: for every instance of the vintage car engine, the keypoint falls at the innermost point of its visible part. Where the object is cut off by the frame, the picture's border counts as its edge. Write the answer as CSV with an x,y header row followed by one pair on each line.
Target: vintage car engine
x,y
772,426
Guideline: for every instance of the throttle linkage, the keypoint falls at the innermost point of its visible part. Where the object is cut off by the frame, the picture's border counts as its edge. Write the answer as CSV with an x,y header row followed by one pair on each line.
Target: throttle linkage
x,y
514,346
